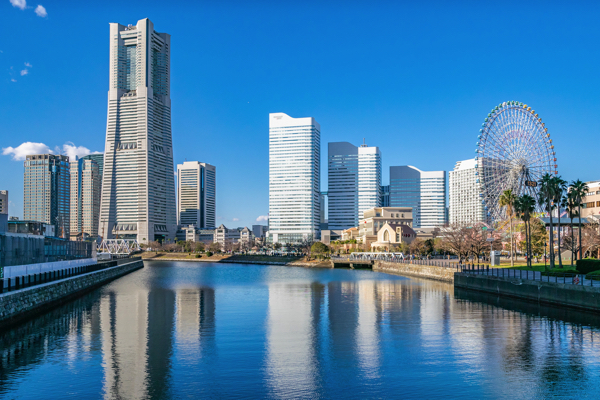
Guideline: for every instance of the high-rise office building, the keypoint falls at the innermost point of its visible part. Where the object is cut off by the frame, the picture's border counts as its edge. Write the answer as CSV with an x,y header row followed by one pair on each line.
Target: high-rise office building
x,y
424,191
86,183
294,183
99,160
385,196
47,191
466,203
138,185
196,194
354,182
3,201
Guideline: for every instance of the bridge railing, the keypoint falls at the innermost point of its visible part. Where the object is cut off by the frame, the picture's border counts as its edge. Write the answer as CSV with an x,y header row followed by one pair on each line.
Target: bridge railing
x,y
398,258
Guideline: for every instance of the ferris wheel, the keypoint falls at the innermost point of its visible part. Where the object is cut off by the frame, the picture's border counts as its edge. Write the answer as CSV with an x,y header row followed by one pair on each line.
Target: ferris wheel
x,y
514,151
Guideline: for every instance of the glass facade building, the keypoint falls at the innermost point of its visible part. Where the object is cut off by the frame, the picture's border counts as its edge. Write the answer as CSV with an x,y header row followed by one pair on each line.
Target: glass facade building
x,y
46,191
196,194
354,183
294,183
423,191
86,183
138,185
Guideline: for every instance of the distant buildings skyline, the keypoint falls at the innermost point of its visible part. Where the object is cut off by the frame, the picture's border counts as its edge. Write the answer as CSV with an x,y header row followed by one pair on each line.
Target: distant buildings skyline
x,y
86,184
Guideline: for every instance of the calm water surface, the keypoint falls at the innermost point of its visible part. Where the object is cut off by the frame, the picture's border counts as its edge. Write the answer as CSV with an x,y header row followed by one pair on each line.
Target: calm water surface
x,y
196,330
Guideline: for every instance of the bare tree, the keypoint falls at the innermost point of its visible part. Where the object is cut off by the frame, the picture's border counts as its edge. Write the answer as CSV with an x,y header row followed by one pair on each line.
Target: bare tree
x,y
455,239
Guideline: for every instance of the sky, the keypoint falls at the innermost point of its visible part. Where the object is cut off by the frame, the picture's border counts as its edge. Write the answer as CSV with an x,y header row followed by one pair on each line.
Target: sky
x,y
416,79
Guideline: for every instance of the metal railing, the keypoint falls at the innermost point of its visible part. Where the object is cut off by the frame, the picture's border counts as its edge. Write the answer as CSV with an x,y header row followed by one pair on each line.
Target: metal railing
x,y
398,258
25,281
566,278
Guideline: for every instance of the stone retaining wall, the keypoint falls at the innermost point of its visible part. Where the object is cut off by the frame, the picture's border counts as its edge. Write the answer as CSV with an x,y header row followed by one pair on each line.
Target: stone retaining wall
x,y
421,271
20,304
584,297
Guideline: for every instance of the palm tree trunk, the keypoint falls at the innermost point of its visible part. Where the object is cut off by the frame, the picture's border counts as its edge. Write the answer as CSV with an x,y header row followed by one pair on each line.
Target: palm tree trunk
x,y
559,254
551,238
512,260
572,242
526,243
528,226
579,209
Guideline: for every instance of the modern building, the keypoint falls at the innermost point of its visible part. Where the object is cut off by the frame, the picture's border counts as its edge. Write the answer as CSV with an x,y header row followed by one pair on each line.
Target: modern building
x,y
196,194
260,231
3,201
47,192
591,202
385,196
31,228
192,234
354,182
138,185
224,235
466,202
375,218
294,178
98,158
423,191
86,184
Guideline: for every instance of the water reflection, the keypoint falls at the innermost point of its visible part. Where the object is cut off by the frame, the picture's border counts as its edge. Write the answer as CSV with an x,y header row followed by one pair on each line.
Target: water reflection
x,y
205,331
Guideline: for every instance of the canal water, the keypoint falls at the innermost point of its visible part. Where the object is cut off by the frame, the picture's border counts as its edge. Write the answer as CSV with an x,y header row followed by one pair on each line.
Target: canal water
x,y
197,330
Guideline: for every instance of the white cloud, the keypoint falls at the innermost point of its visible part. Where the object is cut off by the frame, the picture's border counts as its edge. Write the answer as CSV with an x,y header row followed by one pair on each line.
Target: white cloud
x,y
41,11
28,65
20,152
19,3
262,218
13,80
24,72
235,219
69,149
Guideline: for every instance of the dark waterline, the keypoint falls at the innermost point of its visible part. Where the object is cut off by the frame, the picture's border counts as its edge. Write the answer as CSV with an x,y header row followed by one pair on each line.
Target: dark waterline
x,y
196,330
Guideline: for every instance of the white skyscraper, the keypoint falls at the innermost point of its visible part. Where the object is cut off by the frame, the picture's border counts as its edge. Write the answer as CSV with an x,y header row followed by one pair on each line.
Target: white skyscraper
x,y
294,168
354,183
196,194
466,203
138,186
424,191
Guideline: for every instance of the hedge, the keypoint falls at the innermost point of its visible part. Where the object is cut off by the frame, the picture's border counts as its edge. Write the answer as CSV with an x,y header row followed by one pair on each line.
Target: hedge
x,y
588,265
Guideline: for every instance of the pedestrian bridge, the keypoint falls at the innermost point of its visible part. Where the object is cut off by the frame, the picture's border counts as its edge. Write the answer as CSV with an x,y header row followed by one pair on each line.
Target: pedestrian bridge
x,y
118,246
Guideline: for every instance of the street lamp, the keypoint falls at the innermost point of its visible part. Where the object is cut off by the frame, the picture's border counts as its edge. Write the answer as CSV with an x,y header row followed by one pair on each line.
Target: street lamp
x,y
545,244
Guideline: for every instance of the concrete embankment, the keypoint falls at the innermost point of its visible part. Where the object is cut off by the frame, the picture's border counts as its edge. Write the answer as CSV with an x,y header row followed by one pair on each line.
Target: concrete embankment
x,y
20,304
583,297
421,271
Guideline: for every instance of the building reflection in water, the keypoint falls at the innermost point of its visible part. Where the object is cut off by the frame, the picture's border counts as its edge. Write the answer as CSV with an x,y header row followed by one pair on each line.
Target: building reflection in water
x,y
322,337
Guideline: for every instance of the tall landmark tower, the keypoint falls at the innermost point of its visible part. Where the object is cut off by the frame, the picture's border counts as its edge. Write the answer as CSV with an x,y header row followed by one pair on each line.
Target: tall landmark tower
x,y
138,185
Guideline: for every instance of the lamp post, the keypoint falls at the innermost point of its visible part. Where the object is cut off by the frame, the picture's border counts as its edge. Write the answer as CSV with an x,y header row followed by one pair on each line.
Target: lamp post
x,y
545,244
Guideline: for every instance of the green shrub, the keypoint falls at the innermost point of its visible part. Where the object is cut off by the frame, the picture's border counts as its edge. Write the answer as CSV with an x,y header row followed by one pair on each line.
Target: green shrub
x,y
560,272
588,265
198,255
208,253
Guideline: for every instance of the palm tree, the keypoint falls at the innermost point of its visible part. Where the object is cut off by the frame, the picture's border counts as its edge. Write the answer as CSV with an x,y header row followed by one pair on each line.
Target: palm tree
x,y
579,190
545,198
524,207
571,207
560,187
507,200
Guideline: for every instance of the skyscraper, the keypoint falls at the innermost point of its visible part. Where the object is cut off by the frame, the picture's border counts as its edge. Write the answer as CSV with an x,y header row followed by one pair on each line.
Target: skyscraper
x,y
99,159
354,182
138,185
294,168
196,194
86,183
46,191
466,203
424,191
3,201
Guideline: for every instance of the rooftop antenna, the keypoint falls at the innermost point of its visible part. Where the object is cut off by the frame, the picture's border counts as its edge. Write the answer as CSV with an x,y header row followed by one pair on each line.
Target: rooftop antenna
x,y
364,144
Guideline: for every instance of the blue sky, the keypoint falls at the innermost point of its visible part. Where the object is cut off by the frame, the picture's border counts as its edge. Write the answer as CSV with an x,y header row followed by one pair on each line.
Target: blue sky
x,y
416,79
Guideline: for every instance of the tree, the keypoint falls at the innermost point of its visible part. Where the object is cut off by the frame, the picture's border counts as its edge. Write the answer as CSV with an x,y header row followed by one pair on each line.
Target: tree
x,y
590,238
537,236
454,239
214,247
572,206
524,207
198,247
417,246
560,187
319,248
545,200
507,201
155,246
579,190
